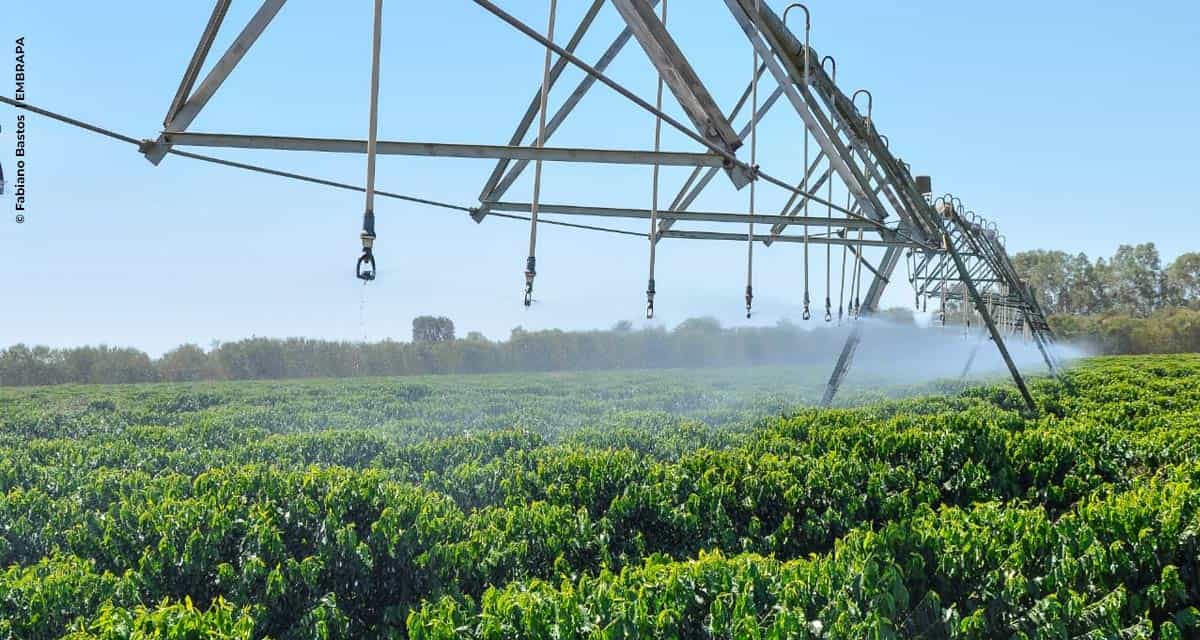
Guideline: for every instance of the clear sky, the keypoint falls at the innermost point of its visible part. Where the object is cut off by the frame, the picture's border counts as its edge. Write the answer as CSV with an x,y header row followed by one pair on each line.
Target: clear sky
x,y
1070,123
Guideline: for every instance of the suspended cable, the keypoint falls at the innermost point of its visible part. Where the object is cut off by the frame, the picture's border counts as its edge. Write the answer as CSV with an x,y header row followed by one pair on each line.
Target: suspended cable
x,y
658,104
365,268
531,261
71,121
293,176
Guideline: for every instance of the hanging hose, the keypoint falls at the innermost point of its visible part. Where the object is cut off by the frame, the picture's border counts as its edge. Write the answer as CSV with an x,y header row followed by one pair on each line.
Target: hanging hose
x,y
913,269
858,261
858,253
365,269
807,301
912,276
804,181
942,304
753,160
845,252
829,214
842,288
531,261
654,187
966,313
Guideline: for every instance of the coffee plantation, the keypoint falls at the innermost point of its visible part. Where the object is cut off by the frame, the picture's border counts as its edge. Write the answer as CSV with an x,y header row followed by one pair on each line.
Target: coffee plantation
x,y
712,504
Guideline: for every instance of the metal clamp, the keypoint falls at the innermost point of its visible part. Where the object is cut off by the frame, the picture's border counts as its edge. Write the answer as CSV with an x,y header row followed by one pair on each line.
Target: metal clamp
x,y
749,299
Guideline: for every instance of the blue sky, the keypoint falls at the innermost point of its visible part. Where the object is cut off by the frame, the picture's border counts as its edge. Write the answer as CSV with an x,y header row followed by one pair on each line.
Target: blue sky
x,y
1069,123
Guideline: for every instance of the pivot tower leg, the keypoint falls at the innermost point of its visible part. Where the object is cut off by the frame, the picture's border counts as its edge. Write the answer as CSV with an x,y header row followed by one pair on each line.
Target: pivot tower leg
x,y
891,258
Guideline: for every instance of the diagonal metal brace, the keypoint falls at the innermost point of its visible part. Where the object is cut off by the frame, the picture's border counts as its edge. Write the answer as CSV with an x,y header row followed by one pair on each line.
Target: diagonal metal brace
x,y
182,118
677,73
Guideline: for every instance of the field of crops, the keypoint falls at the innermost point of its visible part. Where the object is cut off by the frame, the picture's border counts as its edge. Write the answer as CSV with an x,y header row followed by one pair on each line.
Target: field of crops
x,y
603,505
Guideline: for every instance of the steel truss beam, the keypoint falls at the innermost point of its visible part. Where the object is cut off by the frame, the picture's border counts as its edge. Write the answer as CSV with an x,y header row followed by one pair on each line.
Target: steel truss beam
x,y
885,168
443,149
969,254
782,64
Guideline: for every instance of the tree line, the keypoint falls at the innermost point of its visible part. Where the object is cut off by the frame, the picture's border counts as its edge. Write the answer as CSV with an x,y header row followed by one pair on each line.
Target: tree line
x,y
1133,281
697,342
1128,303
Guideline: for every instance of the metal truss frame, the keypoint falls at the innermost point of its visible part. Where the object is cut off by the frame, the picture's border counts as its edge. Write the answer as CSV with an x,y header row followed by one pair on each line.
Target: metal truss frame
x,y
953,255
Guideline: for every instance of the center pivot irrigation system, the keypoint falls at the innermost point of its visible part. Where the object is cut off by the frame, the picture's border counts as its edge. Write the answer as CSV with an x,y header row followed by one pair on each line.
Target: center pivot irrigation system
x,y
952,255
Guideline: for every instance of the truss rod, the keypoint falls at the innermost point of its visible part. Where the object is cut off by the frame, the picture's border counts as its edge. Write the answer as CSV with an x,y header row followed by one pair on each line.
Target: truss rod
x,y
685,198
758,237
492,189
692,188
677,73
698,216
193,69
901,180
217,76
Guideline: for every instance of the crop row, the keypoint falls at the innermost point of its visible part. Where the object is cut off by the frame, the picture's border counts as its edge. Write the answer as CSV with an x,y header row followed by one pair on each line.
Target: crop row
x,y
973,520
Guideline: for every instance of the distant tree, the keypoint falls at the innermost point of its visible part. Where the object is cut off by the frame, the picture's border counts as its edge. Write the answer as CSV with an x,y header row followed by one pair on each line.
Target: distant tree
x,y
78,364
186,363
696,342
122,366
1134,279
898,315
1084,293
1183,280
21,365
426,329
1049,274
252,358
702,325
622,326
